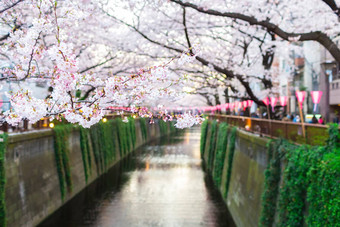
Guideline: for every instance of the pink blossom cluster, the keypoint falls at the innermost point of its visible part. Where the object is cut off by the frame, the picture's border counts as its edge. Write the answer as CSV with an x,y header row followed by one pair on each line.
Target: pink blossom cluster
x,y
188,120
45,49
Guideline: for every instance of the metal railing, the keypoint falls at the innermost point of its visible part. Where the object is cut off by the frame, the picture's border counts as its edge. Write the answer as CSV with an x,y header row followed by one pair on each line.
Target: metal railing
x,y
316,134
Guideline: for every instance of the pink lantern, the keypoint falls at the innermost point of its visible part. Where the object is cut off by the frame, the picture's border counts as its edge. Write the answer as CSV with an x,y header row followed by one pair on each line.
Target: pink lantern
x,y
283,100
245,105
266,101
231,106
273,101
316,97
300,95
238,105
250,103
226,105
235,106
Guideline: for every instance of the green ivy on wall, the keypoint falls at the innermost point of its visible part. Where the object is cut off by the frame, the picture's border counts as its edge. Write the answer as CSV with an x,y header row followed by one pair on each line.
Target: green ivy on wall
x,y
3,143
143,128
293,191
172,127
204,132
231,151
305,193
85,151
163,127
122,137
132,131
271,184
323,194
217,150
221,149
97,146
212,145
311,176
61,150
103,143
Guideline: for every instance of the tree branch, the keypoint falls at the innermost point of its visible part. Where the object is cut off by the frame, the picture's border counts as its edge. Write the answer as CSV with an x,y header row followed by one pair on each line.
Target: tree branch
x,y
11,6
97,65
186,32
317,36
332,4
203,61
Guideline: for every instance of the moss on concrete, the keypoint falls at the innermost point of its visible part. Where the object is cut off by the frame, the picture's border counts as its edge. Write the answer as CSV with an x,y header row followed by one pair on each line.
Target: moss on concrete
x,y
212,146
61,149
231,151
204,131
221,147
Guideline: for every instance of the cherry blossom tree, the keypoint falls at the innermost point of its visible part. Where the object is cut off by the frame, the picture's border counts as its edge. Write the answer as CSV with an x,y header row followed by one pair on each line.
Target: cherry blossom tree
x,y
71,46
94,55
239,39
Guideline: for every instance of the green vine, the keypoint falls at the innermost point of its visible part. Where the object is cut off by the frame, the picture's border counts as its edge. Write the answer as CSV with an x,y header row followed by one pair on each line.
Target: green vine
x,y
204,132
293,192
62,133
271,184
143,128
212,145
132,128
221,147
85,152
163,127
172,127
323,193
231,151
306,193
103,143
97,146
3,144
122,136
311,176
108,151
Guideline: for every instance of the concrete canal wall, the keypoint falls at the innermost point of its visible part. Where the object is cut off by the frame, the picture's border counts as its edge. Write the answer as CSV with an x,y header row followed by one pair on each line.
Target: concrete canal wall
x,y
46,168
273,182
242,171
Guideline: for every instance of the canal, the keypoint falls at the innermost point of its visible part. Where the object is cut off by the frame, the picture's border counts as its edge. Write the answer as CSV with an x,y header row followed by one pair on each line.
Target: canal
x,y
160,184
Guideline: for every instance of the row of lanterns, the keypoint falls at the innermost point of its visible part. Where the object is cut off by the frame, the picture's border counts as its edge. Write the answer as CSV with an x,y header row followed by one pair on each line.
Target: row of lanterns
x,y
272,101
300,95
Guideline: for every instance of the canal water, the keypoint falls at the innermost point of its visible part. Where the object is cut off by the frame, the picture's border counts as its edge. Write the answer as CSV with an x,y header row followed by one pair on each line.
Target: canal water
x,y
160,184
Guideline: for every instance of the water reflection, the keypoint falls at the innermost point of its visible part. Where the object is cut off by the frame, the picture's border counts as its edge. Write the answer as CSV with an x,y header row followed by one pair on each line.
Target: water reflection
x,y
161,184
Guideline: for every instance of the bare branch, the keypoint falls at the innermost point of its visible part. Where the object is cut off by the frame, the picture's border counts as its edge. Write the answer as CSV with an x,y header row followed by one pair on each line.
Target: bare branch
x,y
11,6
97,65
317,36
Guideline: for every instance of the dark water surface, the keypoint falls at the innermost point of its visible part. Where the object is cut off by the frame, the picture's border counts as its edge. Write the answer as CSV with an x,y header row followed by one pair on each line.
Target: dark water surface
x,y
161,184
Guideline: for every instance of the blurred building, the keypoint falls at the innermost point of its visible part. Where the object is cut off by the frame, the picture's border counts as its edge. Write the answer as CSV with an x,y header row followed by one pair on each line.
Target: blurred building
x,y
312,69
